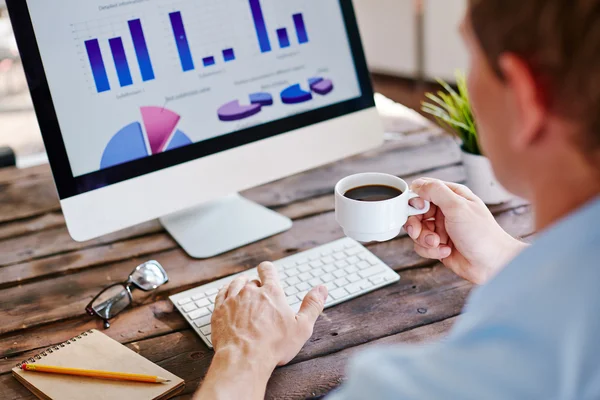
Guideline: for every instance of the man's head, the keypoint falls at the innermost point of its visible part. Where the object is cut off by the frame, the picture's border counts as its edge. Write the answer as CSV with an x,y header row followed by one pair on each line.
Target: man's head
x,y
535,85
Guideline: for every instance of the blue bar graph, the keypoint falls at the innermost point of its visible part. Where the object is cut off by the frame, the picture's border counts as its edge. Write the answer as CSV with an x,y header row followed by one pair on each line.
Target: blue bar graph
x,y
300,28
284,40
208,61
141,49
120,58
183,47
228,55
97,64
261,27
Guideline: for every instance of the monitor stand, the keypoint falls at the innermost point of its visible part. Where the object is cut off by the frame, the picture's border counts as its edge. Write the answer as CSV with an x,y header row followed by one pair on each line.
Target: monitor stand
x,y
216,228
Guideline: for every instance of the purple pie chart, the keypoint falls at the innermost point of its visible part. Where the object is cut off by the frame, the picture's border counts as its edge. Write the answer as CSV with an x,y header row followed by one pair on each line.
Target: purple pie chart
x,y
321,86
234,111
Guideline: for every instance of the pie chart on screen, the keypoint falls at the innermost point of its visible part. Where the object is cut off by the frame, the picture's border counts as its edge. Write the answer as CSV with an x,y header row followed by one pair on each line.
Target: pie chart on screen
x,y
156,133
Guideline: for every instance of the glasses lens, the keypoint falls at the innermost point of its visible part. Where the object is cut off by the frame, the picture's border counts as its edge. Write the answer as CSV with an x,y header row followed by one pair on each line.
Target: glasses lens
x,y
112,301
149,275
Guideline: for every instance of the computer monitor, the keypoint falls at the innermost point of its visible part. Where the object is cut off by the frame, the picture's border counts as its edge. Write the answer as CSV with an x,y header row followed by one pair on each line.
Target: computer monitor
x,y
161,109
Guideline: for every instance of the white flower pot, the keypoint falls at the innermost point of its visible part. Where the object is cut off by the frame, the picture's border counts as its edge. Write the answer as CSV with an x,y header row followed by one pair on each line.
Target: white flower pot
x,y
482,181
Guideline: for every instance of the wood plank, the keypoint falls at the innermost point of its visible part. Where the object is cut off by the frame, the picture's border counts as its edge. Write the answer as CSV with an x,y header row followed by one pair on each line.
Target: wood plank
x,y
27,198
86,258
44,301
13,174
421,297
25,227
57,240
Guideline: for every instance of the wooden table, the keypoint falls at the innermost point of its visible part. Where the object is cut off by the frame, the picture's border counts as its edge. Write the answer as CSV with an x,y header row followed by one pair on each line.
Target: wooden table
x,y
46,278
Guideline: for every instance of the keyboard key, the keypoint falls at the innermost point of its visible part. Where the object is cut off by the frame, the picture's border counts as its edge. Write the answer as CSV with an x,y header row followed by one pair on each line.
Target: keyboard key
x,y
350,245
364,256
189,307
339,273
203,321
352,288
292,271
209,338
338,293
353,251
341,264
212,298
283,284
341,282
353,278
363,265
365,284
304,268
315,282
305,276
198,313
331,286
338,247
212,292
326,252
198,296
291,291
373,260
377,279
211,308
327,278
329,268
339,256
317,272
353,260
370,271
302,260
302,294
351,269
314,257
316,264
206,330
202,303
185,301
302,286
293,281
328,260
289,264
291,300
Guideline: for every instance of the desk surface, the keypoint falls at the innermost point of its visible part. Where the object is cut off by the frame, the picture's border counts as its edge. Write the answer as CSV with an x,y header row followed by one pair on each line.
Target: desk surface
x,y
46,279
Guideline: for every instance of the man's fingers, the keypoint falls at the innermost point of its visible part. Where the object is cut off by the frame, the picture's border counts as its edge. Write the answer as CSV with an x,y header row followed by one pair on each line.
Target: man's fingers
x,y
437,192
268,273
312,306
438,253
440,227
413,227
221,296
236,286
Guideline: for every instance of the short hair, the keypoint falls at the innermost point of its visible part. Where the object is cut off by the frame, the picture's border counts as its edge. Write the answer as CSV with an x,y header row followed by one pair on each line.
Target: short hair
x,y
560,41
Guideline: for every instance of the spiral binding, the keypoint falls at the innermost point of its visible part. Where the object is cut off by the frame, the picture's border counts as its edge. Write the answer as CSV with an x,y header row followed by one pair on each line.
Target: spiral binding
x,y
54,348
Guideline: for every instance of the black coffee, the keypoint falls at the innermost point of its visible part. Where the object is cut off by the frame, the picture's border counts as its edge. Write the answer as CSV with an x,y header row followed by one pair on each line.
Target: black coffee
x,y
373,193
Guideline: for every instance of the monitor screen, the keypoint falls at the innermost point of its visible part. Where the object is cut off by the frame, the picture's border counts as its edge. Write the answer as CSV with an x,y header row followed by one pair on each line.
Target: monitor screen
x,y
140,85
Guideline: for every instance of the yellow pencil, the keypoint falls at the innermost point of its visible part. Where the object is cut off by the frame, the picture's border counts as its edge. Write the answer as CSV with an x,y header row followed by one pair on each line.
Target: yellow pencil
x,y
121,376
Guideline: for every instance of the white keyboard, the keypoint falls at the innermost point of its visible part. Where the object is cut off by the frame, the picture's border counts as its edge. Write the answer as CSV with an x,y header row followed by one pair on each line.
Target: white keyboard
x,y
347,269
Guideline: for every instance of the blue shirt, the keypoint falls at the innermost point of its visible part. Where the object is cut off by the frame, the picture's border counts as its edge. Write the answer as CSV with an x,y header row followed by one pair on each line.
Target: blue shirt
x,y
532,332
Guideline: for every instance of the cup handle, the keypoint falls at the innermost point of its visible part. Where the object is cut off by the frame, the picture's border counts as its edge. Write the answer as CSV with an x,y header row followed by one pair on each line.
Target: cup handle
x,y
413,211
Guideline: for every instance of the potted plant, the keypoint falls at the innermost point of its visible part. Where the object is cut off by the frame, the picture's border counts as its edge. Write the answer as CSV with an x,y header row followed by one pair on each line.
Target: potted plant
x,y
452,110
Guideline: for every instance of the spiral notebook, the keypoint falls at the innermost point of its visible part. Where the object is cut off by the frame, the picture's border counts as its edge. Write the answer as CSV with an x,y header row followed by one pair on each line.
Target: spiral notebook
x,y
95,350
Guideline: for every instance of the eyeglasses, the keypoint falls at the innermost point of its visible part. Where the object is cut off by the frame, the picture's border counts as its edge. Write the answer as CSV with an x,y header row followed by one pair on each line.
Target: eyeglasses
x,y
115,298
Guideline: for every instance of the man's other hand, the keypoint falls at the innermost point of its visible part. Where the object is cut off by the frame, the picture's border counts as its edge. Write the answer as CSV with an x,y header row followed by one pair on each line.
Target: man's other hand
x,y
460,231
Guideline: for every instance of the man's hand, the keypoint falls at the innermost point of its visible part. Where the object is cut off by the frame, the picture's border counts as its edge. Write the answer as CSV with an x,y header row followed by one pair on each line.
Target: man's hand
x,y
460,231
253,331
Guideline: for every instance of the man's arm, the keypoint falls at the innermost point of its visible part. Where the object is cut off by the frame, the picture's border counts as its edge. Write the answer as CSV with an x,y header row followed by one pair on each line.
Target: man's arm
x,y
253,331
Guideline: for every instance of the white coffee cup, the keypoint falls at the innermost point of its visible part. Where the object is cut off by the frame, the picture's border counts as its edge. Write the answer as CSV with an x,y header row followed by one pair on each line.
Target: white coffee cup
x,y
374,221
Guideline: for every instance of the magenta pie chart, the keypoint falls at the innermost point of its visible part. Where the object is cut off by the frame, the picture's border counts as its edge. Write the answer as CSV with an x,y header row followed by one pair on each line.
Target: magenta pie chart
x,y
157,133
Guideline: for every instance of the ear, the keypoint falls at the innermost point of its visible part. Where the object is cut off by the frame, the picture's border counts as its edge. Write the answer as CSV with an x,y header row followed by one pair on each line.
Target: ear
x,y
528,98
